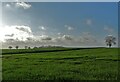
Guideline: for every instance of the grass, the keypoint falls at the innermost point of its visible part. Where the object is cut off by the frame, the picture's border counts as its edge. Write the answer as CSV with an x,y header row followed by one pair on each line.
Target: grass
x,y
68,64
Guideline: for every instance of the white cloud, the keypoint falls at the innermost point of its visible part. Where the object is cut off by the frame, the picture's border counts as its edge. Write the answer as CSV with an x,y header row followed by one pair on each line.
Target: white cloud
x,y
8,5
24,29
89,22
18,4
59,33
63,38
18,33
108,29
42,28
23,5
69,27
23,35
42,38
47,38
88,37
67,37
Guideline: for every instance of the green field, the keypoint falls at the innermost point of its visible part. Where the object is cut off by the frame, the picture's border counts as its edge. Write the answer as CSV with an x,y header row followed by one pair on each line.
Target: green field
x,y
60,64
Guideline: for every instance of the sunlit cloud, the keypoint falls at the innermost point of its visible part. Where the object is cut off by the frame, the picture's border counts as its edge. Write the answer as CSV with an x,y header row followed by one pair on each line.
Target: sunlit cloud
x,y
18,33
23,5
18,4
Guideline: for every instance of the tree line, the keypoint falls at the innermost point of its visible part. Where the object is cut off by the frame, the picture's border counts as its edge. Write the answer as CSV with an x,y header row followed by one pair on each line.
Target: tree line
x,y
109,40
28,47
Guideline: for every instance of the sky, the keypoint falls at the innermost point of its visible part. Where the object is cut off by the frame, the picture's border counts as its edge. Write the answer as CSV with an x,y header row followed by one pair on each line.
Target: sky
x,y
78,24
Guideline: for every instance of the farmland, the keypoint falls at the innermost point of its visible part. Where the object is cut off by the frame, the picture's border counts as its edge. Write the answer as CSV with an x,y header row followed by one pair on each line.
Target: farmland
x,y
60,64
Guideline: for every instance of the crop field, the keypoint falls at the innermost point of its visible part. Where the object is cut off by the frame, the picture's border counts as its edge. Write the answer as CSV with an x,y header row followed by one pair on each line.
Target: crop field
x,y
60,64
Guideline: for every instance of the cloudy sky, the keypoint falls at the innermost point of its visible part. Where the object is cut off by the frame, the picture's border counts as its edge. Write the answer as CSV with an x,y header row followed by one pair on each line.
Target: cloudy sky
x,y
51,23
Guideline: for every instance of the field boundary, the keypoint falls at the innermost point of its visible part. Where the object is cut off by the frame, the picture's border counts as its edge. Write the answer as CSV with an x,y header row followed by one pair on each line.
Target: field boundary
x,y
41,51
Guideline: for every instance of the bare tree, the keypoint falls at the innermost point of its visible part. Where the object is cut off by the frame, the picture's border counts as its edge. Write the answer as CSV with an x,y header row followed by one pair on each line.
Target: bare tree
x,y
16,47
110,40
10,47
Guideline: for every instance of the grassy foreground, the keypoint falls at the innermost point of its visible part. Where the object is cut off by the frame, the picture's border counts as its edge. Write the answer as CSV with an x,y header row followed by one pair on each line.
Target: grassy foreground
x,y
76,64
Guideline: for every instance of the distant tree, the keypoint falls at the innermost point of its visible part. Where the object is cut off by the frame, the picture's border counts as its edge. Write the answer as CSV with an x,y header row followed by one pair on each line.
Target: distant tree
x,y
16,47
29,47
26,47
35,47
10,47
110,40
40,47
